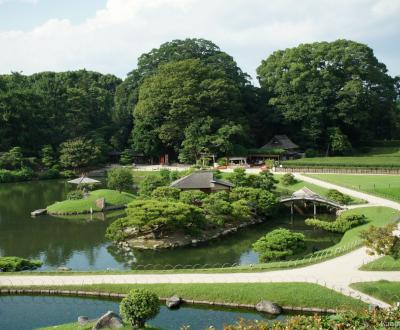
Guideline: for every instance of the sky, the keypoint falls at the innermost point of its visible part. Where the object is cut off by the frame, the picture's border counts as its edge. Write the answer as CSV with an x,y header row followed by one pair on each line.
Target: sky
x,y
109,35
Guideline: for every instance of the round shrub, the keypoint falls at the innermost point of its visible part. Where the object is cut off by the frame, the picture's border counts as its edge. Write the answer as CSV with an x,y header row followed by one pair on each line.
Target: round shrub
x,y
138,307
194,197
75,194
15,264
338,197
120,179
288,179
168,193
279,244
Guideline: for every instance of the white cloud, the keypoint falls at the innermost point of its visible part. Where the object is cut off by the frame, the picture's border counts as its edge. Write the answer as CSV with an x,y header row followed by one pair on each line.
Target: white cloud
x,y
249,30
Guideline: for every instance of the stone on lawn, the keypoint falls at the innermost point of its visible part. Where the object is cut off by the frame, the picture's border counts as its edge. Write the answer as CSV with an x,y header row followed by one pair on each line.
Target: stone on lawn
x,y
268,307
109,320
173,302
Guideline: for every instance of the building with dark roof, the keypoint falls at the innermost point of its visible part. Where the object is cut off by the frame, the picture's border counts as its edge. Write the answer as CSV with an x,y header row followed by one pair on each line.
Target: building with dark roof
x,y
203,181
281,142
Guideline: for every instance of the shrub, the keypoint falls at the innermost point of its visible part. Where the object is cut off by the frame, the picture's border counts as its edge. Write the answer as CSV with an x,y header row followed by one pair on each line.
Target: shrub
x,y
139,306
49,174
165,193
149,184
279,244
262,203
288,179
381,240
120,179
218,208
310,153
158,217
339,197
6,176
342,223
75,194
265,180
238,177
15,264
67,174
194,197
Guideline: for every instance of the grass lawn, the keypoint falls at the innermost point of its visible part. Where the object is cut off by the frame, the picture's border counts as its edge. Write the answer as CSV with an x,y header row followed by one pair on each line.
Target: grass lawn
x,y
285,294
76,326
112,197
383,290
286,190
387,186
386,263
377,157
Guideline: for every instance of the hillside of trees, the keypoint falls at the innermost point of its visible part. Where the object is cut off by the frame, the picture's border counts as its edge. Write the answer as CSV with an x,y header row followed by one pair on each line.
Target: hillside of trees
x,y
188,97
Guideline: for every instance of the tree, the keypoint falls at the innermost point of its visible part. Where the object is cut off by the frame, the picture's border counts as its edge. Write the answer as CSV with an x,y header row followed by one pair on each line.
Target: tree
x,y
382,240
279,244
13,159
262,203
288,179
239,177
265,181
120,179
157,217
339,143
48,157
218,208
165,193
139,306
78,154
180,103
194,197
340,84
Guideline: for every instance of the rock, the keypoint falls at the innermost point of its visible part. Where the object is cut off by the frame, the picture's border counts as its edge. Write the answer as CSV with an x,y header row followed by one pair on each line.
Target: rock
x,y
173,302
268,307
64,269
101,203
82,320
38,212
109,320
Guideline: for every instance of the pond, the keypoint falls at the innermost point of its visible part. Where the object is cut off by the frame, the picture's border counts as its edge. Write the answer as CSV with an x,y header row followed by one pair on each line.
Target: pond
x,y
42,311
78,242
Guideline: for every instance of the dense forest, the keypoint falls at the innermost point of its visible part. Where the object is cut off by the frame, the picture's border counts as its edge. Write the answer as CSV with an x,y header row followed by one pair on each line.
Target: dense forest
x,y
188,97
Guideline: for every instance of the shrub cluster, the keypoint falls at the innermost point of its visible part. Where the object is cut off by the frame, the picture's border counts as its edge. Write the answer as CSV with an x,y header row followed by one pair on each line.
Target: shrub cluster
x,y
16,264
337,196
265,180
279,244
288,179
75,194
342,223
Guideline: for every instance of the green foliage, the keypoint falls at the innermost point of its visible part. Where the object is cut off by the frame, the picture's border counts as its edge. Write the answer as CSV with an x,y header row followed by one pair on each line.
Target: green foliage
x,y
218,208
79,153
238,177
381,240
138,307
339,197
339,142
288,179
158,217
262,203
265,181
120,179
16,264
150,183
51,173
12,160
75,194
16,176
165,193
48,157
343,223
339,84
193,197
279,244
126,157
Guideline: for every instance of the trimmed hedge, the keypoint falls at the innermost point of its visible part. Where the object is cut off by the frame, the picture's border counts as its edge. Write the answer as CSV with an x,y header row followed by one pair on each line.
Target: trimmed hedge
x,y
342,224
16,264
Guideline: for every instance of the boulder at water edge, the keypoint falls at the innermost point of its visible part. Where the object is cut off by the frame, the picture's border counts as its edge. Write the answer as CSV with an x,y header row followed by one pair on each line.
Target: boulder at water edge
x,y
268,307
173,302
109,320
82,320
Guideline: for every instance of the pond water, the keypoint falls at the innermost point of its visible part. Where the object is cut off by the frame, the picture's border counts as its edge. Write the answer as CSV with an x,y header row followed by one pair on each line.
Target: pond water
x,y
78,241
47,311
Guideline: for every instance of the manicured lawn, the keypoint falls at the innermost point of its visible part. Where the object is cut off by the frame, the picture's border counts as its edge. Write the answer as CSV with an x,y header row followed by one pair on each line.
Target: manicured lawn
x,y
376,157
112,197
382,290
76,326
386,263
286,294
287,190
387,186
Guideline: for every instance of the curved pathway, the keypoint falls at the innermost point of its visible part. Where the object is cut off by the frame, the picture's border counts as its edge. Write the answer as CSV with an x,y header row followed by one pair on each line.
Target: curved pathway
x,y
337,273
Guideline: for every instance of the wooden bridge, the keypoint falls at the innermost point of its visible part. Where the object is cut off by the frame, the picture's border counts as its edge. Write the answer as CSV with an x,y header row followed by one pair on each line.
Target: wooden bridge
x,y
306,195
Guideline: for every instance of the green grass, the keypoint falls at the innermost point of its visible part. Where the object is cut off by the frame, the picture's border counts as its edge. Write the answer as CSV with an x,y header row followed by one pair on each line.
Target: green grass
x,y
286,190
112,197
386,263
387,186
383,290
286,294
76,326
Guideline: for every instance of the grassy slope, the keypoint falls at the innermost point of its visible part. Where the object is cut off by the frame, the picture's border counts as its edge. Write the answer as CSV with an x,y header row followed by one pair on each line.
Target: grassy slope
x,y
112,197
75,326
387,186
385,263
376,157
282,189
287,294
383,290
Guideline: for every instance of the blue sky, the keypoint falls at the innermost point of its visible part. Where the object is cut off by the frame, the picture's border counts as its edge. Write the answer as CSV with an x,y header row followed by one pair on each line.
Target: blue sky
x,y
109,35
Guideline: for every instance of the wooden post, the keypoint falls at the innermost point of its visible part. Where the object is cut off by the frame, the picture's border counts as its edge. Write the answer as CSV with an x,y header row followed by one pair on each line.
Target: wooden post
x,y
315,210
291,208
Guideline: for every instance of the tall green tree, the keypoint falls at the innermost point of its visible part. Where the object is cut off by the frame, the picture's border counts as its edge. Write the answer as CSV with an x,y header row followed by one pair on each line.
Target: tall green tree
x,y
323,85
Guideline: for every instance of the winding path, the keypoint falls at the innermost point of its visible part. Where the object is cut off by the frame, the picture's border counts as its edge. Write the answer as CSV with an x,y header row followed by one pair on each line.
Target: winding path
x,y
337,273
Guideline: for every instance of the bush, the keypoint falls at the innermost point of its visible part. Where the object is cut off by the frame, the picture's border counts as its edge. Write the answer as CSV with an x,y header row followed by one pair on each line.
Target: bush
x,y
381,240
218,208
279,244
337,196
193,197
265,180
288,179
49,174
139,306
238,177
311,153
24,174
67,174
170,193
262,203
15,264
150,183
75,194
120,179
342,223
